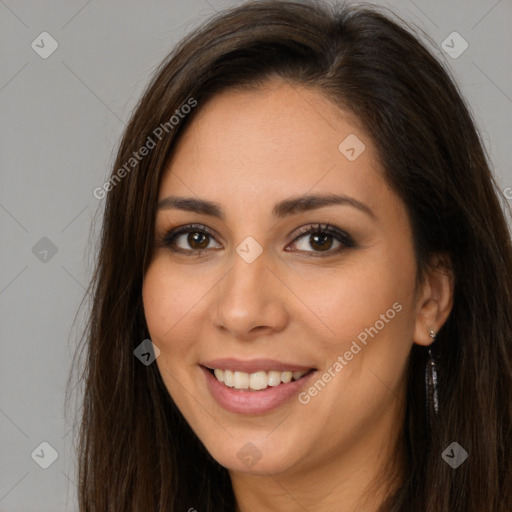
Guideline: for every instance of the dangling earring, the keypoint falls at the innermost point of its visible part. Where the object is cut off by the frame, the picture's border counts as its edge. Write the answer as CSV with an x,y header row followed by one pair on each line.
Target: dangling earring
x,y
431,377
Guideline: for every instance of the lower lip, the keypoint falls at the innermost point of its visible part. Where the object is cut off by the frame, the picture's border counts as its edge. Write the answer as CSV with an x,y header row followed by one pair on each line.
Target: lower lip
x,y
253,402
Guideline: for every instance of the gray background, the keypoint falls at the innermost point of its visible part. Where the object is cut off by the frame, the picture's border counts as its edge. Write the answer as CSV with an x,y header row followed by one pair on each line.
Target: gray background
x,y
61,119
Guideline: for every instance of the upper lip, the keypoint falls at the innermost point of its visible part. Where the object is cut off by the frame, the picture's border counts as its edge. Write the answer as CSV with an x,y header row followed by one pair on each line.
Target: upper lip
x,y
254,365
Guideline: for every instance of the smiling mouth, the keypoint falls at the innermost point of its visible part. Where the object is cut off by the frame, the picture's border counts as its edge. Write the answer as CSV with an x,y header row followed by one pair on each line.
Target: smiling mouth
x,y
257,381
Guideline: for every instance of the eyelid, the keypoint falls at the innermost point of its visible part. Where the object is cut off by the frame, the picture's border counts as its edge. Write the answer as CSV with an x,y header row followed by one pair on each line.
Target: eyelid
x,y
318,227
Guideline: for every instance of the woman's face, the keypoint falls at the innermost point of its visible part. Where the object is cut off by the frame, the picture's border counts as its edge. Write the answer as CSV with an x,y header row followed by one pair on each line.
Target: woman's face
x,y
258,299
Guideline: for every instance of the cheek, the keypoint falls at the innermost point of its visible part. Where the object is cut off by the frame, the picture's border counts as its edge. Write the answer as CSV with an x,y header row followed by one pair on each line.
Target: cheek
x,y
374,316
368,310
170,305
370,295
169,298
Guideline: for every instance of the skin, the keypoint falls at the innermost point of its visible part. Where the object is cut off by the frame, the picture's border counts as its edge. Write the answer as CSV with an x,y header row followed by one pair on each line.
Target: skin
x,y
248,150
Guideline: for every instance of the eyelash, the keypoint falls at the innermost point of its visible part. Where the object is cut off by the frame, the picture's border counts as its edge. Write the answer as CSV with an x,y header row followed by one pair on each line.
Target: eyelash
x,y
168,239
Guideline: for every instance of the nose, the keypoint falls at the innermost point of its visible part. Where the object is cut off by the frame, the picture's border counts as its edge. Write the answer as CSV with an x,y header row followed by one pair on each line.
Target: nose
x,y
251,300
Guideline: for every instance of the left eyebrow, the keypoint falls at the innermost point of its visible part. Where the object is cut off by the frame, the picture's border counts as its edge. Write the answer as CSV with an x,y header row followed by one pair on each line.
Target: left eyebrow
x,y
282,209
300,204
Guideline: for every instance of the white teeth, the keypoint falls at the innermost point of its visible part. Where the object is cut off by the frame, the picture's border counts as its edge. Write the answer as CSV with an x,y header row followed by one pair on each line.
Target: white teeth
x,y
241,380
287,376
258,380
228,378
255,381
272,378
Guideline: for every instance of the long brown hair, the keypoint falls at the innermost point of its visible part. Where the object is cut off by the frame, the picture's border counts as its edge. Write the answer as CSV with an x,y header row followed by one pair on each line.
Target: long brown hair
x,y
136,451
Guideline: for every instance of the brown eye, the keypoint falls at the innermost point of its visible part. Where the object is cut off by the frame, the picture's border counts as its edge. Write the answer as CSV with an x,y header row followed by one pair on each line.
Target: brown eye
x,y
198,240
191,239
321,240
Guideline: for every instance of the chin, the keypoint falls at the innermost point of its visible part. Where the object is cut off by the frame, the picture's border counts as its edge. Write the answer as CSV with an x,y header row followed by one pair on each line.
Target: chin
x,y
255,455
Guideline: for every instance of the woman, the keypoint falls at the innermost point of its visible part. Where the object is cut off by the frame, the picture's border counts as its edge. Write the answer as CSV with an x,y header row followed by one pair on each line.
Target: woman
x,y
302,220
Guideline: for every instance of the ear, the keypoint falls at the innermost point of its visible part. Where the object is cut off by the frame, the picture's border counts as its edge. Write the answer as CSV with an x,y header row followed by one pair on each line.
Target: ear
x,y
435,299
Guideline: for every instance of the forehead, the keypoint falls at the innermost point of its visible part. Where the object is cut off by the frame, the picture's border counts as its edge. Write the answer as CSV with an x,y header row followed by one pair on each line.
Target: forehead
x,y
279,140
